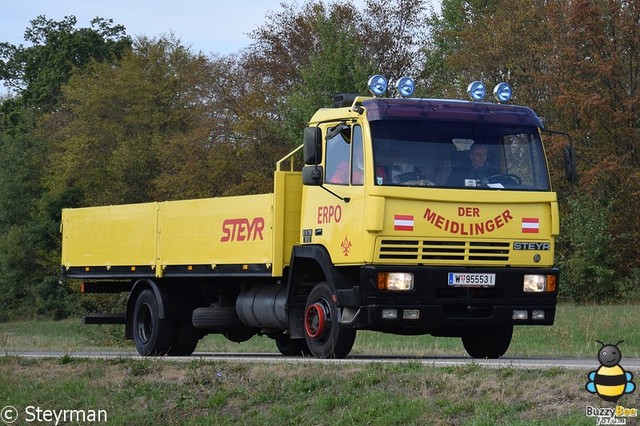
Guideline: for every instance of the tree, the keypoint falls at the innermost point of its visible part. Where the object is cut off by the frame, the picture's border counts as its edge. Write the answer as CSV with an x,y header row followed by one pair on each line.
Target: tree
x,y
393,32
576,64
30,217
597,70
340,64
311,52
115,123
37,72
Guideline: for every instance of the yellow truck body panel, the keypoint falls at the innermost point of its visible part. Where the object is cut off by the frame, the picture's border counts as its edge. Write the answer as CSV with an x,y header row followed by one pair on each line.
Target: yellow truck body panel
x,y
110,236
204,233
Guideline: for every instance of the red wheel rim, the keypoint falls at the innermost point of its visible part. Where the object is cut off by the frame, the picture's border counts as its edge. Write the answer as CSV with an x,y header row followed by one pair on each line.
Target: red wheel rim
x,y
315,319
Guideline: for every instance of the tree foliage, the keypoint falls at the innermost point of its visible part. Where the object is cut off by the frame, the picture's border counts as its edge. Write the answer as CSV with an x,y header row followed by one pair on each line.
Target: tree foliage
x,y
97,118
576,63
57,48
29,218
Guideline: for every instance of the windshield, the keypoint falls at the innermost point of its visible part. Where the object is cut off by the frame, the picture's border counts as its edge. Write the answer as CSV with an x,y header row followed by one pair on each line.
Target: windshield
x,y
458,155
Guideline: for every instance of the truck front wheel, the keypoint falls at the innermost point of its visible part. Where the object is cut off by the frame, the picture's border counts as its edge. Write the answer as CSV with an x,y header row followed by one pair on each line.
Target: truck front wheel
x,y
325,337
151,334
487,342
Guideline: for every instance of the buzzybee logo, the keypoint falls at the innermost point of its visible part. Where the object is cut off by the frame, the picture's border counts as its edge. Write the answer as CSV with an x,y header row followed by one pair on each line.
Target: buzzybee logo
x,y
610,381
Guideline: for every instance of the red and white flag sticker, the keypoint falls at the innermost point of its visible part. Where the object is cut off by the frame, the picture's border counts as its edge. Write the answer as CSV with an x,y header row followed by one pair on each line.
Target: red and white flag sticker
x,y
530,225
402,222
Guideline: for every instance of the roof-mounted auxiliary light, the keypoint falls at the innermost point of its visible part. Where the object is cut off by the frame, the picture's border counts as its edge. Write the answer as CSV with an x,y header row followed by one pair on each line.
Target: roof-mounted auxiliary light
x,y
476,90
377,85
405,86
502,93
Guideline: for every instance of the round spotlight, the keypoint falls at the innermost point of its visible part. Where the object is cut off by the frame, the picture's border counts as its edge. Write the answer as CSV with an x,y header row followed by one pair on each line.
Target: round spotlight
x,y
476,90
377,85
502,92
405,86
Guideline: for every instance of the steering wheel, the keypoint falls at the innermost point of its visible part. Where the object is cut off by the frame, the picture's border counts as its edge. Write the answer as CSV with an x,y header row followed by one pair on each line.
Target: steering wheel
x,y
510,176
413,179
417,182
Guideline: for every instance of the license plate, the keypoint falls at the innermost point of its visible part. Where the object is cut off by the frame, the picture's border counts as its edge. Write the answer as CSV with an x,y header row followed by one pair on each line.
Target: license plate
x,y
471,279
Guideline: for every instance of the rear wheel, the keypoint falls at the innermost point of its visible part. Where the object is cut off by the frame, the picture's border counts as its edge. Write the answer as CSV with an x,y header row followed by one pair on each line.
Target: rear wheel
x,y
185,340
488,342
292,347
324,336
152,335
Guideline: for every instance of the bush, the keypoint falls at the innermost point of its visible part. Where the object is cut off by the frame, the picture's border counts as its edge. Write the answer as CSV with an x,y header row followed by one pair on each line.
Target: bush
x,y
586,254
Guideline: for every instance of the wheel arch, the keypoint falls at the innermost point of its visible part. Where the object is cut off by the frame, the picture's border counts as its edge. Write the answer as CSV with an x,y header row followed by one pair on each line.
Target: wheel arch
x,y
310,264
139,287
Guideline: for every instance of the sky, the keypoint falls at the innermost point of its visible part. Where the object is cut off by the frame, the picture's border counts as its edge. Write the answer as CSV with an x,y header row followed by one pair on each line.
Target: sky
x,y
207,26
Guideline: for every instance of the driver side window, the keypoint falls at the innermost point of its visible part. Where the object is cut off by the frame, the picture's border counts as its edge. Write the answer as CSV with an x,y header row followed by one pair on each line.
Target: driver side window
x,y
337,158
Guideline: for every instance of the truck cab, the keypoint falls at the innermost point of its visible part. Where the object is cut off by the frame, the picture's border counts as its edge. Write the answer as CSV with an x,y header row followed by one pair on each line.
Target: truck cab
x,y
439,214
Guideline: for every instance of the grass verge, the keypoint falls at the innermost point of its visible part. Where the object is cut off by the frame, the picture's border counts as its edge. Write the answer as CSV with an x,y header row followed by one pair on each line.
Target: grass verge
x,y
574,335
204,392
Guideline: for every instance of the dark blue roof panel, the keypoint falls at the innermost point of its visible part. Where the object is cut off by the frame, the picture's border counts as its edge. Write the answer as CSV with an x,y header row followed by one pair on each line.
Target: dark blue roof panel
x,y
439,109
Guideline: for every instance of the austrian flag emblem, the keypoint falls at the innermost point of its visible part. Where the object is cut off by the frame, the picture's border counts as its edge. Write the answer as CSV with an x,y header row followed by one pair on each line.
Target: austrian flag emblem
x,y
402,222
530,225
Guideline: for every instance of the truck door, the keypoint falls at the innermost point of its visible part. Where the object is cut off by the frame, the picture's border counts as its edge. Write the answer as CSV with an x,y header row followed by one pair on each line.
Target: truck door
x,y
334,218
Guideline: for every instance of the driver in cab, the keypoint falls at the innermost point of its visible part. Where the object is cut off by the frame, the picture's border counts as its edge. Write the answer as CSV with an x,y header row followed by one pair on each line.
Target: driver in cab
x,y
477,171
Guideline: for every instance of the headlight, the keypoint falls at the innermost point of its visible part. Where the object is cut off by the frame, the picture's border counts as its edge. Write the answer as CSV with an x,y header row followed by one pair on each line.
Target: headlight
x,y
405,86
534,283
539,283
502,93
476,90
395,281
377,85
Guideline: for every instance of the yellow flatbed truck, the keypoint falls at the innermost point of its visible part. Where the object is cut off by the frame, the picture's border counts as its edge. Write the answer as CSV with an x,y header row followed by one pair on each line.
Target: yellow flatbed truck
x,y
388,226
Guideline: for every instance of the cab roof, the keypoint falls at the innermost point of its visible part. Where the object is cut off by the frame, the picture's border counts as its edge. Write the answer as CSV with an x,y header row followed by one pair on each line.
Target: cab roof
x,y
449,110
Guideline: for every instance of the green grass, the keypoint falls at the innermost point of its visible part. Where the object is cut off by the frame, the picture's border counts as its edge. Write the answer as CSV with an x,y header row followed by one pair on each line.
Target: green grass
x,y
574,334
204,392
155,391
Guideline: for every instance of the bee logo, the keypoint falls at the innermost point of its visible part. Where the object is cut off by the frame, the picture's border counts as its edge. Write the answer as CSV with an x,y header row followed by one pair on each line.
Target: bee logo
x,y
610,381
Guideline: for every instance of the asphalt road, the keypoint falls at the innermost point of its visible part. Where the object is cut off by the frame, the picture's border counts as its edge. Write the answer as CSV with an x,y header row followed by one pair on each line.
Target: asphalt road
x,y
629,364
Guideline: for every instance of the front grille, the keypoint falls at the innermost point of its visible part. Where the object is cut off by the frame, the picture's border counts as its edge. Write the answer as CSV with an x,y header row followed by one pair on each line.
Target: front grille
x,y
442,251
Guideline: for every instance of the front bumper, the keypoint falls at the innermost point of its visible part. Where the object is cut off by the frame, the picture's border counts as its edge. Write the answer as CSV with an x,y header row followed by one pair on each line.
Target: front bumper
x,y
445,309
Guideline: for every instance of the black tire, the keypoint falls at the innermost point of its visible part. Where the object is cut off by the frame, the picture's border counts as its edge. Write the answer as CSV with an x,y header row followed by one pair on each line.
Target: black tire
x,y
292,347
185,340
324,336
488,342
151,334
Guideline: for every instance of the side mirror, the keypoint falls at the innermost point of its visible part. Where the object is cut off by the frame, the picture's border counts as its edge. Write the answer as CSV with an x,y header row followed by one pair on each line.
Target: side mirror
x,y
312,141
312,175
569,161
